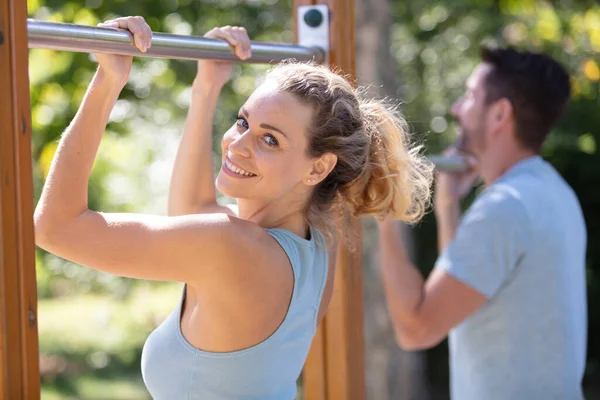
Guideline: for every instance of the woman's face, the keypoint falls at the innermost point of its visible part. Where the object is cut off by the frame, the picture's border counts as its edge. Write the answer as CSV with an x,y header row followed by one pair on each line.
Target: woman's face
x,y
264,152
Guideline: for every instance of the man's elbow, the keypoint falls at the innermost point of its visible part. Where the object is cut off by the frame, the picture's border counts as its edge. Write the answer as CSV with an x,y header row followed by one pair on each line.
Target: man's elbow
x,y
417,338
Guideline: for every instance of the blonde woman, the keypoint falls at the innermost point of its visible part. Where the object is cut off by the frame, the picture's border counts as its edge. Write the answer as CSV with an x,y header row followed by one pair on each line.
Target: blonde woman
x,y
257,279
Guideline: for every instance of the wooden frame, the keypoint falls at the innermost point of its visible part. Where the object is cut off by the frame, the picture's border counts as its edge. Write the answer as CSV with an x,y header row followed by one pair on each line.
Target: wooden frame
x,y
335,368
19,355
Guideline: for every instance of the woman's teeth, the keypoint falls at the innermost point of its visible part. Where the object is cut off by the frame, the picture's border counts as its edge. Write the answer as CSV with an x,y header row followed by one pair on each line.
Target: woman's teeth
x,y
238,170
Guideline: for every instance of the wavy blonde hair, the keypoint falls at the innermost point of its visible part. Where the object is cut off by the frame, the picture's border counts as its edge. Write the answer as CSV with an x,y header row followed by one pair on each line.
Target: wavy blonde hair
x,y
379,171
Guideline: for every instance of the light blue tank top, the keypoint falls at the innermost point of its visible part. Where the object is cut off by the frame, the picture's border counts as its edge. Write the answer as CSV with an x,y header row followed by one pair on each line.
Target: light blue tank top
x,y
175,370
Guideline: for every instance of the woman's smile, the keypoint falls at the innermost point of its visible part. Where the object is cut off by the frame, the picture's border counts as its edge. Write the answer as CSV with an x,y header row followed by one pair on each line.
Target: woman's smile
x,y
232,169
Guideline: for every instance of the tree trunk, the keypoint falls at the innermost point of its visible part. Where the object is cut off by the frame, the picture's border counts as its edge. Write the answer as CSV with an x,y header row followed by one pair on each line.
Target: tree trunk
x,y
391,372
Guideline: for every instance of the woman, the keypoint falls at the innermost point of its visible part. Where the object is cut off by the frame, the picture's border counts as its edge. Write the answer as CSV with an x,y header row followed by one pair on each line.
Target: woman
x,y
258,279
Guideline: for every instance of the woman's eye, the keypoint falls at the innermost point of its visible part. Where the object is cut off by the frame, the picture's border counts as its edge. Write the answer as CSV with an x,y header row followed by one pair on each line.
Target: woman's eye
x,y
242,122
270,140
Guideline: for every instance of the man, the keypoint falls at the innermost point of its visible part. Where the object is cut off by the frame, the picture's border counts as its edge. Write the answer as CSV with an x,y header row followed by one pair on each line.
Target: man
x,y
509,286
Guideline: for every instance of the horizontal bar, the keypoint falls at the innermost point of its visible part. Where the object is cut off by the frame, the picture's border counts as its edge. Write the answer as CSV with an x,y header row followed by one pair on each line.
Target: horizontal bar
x,y
80,38
448,163
87,39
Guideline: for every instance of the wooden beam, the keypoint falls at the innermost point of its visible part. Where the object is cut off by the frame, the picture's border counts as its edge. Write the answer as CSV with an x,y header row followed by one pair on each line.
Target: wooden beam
x,y
335,368
344,325
19,354
313,376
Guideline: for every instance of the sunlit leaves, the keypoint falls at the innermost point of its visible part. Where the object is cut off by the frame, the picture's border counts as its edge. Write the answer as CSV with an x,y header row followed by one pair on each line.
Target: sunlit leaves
x,y
587,143
548,25
591,70
44,64
519,7
85,16
45,159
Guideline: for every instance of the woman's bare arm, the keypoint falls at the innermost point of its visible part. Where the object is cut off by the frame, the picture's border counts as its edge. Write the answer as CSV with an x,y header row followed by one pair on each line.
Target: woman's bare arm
x,y
192,187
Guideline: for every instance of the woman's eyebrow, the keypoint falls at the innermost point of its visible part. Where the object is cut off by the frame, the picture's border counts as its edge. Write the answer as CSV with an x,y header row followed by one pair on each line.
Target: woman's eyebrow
x,y
271,127
265,126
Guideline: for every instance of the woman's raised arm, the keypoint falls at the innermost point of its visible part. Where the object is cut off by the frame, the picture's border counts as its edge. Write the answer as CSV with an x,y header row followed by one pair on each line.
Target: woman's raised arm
x,y
185,248
192,189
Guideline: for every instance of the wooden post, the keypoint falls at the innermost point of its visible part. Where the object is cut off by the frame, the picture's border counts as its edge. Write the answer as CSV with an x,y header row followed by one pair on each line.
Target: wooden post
x,y
335,366
19,354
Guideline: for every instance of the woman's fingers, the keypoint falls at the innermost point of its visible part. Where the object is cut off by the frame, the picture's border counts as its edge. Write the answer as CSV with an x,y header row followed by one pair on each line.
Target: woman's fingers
x,y
109,24
142,34
241,35
236,37
224,33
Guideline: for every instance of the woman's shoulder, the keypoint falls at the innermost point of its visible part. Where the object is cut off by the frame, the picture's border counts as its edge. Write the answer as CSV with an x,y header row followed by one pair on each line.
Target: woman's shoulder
x,y
250,242
238,242
233,230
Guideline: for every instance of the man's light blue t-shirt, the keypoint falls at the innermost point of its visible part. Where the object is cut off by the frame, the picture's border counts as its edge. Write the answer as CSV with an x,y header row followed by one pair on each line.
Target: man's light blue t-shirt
x,y
522,244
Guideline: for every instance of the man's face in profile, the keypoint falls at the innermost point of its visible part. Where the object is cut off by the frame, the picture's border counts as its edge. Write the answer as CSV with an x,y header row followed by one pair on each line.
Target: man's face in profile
x,y
470,110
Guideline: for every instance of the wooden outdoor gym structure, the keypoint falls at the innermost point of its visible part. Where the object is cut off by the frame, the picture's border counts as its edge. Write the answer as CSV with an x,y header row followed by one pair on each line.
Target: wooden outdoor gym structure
x,y
335,365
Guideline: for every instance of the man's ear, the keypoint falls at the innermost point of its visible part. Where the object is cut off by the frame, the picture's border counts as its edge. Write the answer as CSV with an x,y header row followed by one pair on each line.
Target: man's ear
x,y
502,111
322,166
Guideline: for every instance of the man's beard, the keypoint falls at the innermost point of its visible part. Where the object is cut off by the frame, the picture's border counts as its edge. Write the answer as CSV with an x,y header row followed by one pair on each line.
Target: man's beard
x,y
469,141
462,140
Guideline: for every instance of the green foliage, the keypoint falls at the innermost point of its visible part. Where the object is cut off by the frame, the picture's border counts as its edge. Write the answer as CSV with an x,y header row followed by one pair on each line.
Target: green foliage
x,y
98,340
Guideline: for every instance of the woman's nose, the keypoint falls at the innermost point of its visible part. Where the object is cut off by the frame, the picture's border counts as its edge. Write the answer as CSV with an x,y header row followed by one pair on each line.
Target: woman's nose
x,y
240,145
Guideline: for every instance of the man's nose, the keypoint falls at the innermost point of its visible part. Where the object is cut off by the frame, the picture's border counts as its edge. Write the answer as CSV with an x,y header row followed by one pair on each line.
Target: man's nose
x,y
455,109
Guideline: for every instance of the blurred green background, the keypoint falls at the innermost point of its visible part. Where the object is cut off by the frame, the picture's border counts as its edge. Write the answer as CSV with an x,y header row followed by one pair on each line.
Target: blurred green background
x,y
93,325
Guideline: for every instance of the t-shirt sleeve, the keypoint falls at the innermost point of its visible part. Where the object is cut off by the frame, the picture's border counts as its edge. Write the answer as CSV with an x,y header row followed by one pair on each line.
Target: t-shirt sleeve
x,y
489,243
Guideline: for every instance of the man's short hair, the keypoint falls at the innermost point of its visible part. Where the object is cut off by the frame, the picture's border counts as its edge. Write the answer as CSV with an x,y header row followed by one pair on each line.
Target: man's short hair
x,y
537,86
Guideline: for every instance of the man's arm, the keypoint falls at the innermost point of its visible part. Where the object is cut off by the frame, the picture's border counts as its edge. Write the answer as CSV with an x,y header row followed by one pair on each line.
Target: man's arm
x,y
451,188
422,312
447,217
487,247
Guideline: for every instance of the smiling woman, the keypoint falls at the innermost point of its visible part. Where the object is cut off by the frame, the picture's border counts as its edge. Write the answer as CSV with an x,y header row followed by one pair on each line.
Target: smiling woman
x,y
257,280
273,157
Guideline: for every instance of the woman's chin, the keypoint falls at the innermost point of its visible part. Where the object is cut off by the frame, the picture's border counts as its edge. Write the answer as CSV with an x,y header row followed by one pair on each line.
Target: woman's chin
x,y
228,188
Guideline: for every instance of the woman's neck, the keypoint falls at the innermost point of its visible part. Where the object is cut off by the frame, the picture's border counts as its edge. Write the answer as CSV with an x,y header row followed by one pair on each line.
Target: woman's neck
x,y
274,215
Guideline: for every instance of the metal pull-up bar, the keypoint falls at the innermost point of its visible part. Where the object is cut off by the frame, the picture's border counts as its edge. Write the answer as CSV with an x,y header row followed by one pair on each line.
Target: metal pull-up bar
x,y
448,163
88,39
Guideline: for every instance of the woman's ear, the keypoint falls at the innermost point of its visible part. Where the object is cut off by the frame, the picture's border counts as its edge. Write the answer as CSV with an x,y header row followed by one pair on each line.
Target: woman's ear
x,y
321,168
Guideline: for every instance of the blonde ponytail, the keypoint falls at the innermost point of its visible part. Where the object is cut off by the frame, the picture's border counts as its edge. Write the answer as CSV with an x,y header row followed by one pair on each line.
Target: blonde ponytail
x,y
396,179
